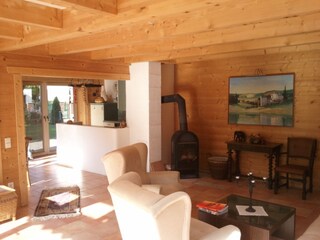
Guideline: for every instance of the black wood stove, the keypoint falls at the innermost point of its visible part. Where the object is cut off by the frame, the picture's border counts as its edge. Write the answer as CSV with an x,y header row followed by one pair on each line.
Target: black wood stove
x,y
184,144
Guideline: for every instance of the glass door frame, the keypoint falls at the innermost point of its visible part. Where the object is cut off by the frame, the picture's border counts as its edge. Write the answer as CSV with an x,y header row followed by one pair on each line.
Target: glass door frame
x,y
45,120
44,117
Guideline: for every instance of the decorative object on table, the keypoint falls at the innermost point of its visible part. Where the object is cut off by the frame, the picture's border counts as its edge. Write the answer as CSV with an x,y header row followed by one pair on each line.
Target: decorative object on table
x,y
8,203
123,124
259,211
251,183
256,139
245,210
214,208
261,100
60,202
99,100
239,136
265,180
237,179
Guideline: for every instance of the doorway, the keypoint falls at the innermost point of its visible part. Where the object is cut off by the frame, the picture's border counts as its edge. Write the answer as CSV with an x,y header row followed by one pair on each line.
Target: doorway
x,y
45,104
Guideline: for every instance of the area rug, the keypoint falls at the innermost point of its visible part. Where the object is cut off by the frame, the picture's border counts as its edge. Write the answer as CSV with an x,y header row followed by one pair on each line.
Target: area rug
x,y
60,202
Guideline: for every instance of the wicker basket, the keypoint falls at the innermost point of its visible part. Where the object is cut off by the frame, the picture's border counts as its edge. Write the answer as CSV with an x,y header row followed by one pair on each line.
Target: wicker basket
x,y
218,167
8,203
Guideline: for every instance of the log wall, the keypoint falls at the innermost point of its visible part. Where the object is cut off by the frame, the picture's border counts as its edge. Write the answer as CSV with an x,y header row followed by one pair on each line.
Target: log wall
x,y
204,85
13,159
13,68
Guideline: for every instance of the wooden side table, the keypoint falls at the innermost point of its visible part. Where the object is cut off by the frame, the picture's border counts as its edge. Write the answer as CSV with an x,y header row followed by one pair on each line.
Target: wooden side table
x,y
8,203
272,149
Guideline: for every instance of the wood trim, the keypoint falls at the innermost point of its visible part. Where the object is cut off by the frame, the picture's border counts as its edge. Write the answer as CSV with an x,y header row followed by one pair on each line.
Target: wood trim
x,y
19,109
1,174
92,6
31,14
45,72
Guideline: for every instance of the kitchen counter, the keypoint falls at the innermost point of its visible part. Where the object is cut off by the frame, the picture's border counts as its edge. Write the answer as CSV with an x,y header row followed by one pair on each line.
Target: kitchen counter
x,y
82,147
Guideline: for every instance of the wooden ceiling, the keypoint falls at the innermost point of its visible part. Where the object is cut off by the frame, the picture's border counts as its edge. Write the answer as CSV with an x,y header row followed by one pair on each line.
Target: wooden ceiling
x,y
175,31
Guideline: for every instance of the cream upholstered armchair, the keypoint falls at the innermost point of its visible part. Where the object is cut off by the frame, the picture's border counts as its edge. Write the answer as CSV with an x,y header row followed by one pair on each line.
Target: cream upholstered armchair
x,y
134,158
145,215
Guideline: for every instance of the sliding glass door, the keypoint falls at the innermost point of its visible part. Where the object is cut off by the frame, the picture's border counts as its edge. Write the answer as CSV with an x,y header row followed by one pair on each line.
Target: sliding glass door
x,y
34,116
45,105
60,109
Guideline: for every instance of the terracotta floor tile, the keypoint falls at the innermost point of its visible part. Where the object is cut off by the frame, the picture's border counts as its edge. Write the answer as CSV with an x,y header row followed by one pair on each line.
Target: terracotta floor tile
x,y
98,220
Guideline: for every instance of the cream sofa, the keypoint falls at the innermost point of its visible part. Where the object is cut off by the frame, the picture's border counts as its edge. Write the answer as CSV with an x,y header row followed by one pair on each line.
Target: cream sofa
x,y
134,158
312,232
143,214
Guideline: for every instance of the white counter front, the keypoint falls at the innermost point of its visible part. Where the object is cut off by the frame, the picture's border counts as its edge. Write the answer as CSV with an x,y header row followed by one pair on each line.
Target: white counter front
x,y
82,147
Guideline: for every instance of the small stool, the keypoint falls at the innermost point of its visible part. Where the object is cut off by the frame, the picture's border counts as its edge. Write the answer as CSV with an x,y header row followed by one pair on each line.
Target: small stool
x,y
8,203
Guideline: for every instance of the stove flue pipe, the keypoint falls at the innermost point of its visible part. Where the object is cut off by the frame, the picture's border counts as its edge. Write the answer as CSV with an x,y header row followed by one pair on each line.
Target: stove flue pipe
x,y
181,106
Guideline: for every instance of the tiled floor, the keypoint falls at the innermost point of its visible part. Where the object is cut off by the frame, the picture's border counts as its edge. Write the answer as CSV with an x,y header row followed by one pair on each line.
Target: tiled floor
x,y
98,219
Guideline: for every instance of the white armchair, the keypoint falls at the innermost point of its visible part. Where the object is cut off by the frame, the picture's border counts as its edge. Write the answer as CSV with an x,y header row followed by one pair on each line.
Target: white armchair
x,y
143,214
134,158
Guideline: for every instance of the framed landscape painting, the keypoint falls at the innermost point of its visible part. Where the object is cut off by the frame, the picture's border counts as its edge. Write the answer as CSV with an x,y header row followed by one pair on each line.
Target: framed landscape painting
x,y
262,100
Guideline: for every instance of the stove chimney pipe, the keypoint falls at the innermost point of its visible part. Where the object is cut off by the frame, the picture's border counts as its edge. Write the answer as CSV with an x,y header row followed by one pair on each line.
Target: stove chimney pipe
x,y
181,106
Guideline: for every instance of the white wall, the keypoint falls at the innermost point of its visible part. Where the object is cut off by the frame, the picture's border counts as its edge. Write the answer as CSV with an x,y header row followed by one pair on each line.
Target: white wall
x,y
143,103
82,147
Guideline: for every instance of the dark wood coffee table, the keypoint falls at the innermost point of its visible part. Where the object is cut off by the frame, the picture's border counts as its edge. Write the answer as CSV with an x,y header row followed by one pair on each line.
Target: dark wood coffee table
x,y
280,222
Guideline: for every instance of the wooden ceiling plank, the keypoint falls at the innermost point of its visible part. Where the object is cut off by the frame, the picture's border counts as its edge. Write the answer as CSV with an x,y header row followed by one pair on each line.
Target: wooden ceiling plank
x,y
282,27
92,6
220,56
126,51
292,40
299,48
259,52
152,10
93,23
178,26
11,31
85,58
30,14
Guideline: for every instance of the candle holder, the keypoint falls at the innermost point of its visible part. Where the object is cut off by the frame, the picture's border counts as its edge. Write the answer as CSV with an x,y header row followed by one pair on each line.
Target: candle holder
x,y
266,180
237,179
251,182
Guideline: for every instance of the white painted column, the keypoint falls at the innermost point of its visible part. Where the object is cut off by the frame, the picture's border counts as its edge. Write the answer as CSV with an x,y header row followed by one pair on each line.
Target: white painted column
x,y
143,104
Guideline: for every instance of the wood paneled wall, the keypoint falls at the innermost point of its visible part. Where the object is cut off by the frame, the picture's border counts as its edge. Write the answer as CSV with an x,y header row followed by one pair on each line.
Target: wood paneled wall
x,y
204,85
13,160
12,69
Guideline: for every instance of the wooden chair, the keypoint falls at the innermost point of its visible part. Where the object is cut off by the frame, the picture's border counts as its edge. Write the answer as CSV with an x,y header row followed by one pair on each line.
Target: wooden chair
x,y
27,141
299,164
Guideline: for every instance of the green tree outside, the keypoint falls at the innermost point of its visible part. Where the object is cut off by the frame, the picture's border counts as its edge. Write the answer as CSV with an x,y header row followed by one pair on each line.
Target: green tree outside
x,y
56,114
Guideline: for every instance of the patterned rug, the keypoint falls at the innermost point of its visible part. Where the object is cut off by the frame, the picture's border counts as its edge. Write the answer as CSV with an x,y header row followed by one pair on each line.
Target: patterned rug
x,y
58,203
